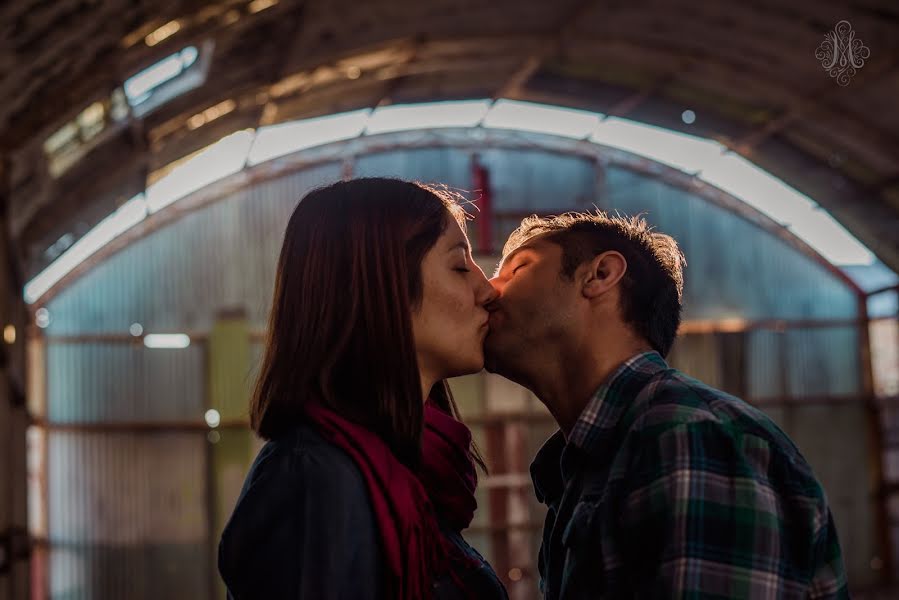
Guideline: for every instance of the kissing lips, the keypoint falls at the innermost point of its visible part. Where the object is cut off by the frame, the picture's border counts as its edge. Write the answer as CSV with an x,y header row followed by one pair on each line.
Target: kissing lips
x,y
484,329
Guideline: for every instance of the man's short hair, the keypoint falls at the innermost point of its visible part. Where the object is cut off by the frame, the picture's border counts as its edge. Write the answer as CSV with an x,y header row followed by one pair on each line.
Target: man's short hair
x,y
652,287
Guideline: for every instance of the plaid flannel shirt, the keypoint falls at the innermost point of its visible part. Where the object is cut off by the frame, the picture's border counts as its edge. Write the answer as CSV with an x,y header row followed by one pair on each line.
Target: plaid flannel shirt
x,y
667,488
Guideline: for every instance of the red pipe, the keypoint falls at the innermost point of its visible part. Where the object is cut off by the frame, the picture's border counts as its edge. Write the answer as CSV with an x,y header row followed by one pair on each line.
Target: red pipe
x,y
480,179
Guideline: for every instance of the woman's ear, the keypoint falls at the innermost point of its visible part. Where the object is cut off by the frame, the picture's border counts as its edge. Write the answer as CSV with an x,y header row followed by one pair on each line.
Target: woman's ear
x,y
602,273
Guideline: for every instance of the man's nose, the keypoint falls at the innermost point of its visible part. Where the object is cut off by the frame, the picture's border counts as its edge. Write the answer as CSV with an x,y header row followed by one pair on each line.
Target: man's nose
x,y
495,292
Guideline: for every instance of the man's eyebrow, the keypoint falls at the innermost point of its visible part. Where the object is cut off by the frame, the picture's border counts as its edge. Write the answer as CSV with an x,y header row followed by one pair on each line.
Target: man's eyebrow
x,y
505,260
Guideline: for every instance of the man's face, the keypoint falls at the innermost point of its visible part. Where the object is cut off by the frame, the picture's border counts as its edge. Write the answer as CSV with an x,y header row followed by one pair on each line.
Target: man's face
x,y
535,310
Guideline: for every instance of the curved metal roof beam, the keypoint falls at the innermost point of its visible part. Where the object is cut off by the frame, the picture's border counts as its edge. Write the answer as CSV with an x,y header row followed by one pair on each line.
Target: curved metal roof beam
x,y
702,166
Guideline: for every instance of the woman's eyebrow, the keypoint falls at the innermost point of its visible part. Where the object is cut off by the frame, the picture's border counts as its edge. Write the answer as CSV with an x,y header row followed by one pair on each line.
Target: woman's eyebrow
x,y
463,244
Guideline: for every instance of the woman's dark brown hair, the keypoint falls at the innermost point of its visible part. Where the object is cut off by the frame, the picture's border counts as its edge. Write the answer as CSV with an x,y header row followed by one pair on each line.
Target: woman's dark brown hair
x,y
340,328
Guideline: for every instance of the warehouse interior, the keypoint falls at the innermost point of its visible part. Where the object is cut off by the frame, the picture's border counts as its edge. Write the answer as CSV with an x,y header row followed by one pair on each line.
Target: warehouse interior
x,y
150,154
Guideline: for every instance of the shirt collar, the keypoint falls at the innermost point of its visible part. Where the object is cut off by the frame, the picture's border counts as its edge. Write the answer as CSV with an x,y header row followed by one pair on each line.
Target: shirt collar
x,y
614,397
604,411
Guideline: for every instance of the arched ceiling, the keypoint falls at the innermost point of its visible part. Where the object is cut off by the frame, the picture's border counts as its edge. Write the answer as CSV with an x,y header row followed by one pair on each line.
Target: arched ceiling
x,y
747,69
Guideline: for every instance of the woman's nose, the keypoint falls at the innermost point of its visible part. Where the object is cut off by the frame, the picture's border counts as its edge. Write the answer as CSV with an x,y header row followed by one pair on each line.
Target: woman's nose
x,y
486,292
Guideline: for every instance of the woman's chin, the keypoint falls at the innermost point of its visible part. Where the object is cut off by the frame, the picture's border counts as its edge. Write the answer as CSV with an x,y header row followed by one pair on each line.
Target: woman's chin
x,y
472,365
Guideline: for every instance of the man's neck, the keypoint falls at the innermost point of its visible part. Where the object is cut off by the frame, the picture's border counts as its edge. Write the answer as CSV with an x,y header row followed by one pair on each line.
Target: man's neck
x,y
567,384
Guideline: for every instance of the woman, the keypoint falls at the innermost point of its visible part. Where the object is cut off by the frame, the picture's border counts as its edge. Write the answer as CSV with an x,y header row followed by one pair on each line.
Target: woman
x,y
367,478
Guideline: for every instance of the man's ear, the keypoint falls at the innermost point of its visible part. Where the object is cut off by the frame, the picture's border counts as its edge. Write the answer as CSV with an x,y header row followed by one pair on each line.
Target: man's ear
x,y
602,273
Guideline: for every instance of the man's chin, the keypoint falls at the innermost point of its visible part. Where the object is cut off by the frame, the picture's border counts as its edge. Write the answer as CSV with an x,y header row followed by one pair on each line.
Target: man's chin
x,y
489,366
493,364
495,358
490,359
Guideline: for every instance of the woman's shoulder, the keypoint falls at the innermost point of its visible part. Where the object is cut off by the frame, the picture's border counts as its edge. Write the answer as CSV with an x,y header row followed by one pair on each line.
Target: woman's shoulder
x,y
303,521
301,473
303,457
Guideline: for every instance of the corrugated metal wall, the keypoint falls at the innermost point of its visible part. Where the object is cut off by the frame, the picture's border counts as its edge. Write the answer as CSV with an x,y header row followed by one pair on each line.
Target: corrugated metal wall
x,y
174,279
111,383
107,488
733,270
127,515
148,282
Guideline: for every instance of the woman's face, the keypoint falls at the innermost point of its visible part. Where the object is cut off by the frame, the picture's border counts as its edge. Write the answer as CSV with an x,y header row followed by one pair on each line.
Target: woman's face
x,y
450,325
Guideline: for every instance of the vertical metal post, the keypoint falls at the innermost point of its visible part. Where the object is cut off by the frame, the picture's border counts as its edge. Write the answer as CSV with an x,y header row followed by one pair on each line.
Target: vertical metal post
x,y
890,556
15,548
36,401
231,447
209,496
875,442
498,498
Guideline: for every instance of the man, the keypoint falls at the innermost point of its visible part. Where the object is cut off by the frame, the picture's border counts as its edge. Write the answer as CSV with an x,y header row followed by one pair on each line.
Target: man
x,y
656,484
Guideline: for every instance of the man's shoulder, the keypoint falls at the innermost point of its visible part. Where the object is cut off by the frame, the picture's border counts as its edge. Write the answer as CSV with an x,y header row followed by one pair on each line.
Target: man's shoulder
x,y
681,420
672,398
677,411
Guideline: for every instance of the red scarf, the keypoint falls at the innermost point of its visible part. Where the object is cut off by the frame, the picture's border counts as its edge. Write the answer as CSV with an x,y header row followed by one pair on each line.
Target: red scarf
x,y
405,505
449,477
401,506
447,470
